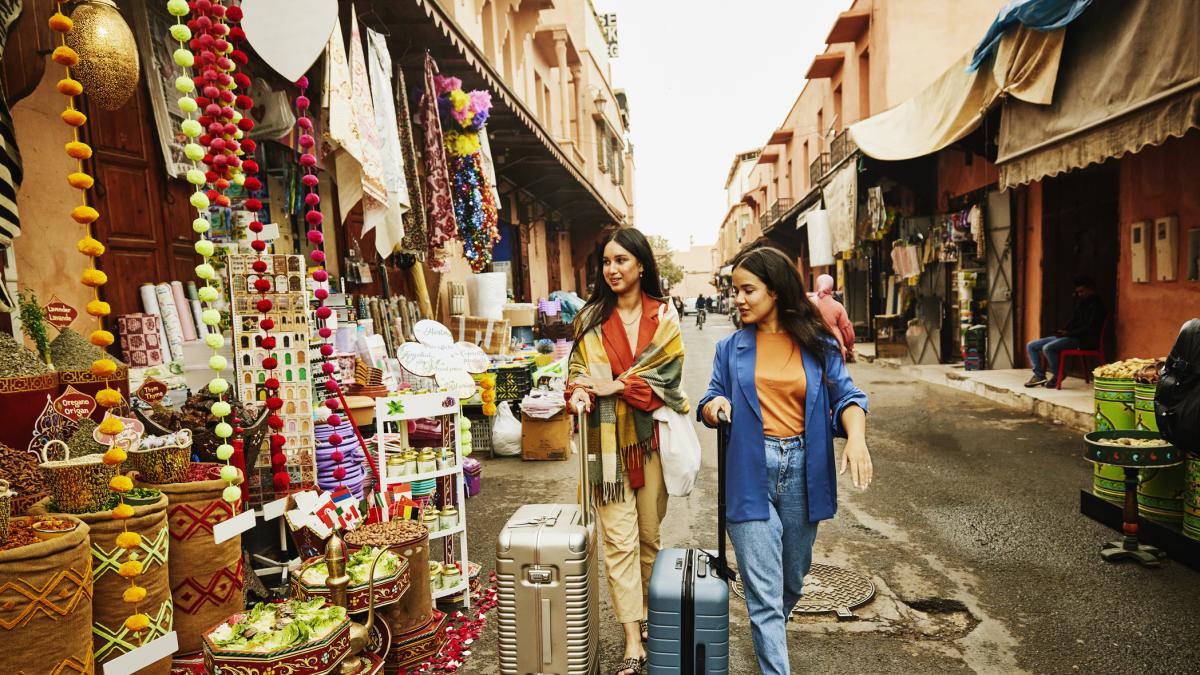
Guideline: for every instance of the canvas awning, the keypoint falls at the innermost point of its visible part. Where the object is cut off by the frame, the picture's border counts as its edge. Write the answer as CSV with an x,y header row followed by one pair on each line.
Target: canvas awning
x,y
1130,78
1025,67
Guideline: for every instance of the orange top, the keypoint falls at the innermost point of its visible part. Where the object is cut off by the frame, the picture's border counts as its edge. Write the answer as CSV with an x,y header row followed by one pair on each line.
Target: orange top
x,y
781,383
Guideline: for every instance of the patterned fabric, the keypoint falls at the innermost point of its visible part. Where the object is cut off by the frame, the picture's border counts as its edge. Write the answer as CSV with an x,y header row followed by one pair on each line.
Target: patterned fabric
x,y
58,597
185,521
440,207
374,185
416,233
151,552
11,171
110,643
193,593
623,433
390,231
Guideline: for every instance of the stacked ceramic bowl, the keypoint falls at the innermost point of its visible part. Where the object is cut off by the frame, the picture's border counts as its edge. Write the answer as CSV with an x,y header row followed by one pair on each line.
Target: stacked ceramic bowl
x,y
338,446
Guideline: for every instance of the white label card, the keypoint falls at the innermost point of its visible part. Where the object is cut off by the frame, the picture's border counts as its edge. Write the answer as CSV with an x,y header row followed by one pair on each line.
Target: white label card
x,y
275,509
156,650
306,502
233,527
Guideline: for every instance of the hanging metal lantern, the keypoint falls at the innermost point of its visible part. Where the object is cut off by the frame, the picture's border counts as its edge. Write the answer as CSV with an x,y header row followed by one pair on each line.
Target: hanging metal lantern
x,y
108,57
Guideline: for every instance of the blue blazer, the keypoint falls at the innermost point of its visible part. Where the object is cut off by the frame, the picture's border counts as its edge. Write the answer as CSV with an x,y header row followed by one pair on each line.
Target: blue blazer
x,y
746,466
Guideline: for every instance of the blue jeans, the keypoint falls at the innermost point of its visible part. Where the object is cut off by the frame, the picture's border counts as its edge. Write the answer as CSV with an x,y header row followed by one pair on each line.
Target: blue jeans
x,y
774,555
1050,346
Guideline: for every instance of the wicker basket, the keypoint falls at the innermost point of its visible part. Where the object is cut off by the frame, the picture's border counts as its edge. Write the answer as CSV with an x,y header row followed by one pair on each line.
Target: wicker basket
x,y
76,485
205,442
165,463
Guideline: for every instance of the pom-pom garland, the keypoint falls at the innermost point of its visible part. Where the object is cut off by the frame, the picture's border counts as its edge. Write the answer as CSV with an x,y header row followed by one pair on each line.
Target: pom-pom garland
x,y
93,278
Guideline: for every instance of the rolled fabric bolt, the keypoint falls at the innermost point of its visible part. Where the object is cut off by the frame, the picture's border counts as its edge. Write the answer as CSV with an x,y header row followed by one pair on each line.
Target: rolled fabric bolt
x,y
170,315
183,307
149,295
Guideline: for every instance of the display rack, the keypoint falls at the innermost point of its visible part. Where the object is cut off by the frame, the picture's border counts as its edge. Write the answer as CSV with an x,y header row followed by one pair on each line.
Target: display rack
x,y
398,409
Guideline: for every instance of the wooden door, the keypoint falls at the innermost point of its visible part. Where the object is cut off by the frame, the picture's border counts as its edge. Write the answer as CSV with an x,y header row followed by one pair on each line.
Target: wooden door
x,y
145,218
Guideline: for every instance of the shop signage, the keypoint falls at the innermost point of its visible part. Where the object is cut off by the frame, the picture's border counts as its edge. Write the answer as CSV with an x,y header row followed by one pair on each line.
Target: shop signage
x,y
59,314
74,404
152,392
608,26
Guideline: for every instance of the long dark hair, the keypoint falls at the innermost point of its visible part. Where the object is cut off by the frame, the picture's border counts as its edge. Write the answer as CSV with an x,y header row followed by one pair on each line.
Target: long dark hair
x,y
797,314
603,300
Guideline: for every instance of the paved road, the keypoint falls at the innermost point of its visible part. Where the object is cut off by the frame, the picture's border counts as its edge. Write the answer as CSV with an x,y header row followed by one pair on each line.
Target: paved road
x,y
971,533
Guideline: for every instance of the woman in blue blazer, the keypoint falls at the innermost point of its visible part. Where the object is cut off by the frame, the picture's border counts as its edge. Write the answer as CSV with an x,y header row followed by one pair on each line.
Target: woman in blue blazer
x,y
782,383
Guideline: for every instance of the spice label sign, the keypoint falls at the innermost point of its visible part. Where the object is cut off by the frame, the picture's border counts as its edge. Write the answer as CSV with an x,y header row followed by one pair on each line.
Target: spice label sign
x,y
74,404
148,654
151,392
59,314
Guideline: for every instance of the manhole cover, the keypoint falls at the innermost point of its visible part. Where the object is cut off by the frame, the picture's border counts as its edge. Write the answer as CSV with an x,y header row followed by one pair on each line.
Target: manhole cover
x,y
829,589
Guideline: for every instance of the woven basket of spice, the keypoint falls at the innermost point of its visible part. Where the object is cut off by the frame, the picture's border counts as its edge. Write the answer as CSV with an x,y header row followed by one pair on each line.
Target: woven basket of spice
x,y
26,383
78,485
163,459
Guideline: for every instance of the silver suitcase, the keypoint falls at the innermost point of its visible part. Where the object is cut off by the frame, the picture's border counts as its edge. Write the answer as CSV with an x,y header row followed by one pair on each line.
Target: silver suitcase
x,y
548,587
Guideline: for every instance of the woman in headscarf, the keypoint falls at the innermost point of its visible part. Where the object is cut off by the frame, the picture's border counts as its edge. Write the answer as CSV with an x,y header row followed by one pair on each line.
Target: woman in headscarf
x,y
834,315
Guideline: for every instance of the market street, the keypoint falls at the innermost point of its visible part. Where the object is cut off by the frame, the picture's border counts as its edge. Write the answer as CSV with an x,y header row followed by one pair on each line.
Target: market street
x,y
971,534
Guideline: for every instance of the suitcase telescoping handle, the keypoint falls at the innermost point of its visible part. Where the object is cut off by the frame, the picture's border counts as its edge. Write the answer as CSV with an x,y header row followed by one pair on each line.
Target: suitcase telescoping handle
x,y
721,565
585,484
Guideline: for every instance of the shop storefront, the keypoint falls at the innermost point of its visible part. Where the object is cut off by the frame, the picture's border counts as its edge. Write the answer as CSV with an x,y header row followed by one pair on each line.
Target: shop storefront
x,y
269,290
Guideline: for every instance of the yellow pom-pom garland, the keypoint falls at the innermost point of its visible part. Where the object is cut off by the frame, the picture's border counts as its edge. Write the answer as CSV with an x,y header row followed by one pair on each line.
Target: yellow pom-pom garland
x,y
112,426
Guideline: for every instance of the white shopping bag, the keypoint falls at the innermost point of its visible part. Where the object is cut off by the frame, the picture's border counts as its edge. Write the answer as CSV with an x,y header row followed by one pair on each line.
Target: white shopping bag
x,y
679,450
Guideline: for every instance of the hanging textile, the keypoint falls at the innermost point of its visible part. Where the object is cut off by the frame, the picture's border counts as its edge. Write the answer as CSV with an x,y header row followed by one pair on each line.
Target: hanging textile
x,y
416,234
841,201
440,211
464,117
374,185
11,172
975,220
489,167
390,232
344,137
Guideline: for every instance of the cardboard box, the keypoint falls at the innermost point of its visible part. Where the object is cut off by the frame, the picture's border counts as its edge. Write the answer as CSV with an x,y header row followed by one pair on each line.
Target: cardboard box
x,y
493,336
520,314
546,439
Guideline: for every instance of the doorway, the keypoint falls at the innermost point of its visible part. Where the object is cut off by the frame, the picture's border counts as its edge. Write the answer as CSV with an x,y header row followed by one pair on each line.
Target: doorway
x,y
1080,220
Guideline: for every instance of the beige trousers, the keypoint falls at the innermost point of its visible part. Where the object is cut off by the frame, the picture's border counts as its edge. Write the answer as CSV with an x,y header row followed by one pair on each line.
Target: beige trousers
x,y
630,528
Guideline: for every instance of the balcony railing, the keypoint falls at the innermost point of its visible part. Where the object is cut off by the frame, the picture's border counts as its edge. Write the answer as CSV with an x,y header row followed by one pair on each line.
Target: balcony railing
x,y
841,148
779,208
818,168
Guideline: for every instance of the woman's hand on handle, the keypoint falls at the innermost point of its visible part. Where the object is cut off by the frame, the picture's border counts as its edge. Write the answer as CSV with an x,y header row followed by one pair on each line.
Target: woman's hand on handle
x,y
717,405
580,397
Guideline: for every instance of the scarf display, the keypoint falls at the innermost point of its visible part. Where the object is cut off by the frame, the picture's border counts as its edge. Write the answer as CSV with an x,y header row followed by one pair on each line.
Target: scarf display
x,y
416,234
439,204
389,232
463,117
625,435
374,184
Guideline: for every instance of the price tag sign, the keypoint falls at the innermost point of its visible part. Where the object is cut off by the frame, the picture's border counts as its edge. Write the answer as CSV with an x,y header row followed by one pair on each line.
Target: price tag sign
x,y
236,525
74,404
149,653
59,314
275,509
151,392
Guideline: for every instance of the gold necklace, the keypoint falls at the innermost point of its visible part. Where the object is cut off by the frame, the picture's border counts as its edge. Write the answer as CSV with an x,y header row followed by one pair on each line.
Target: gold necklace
x,y
629,323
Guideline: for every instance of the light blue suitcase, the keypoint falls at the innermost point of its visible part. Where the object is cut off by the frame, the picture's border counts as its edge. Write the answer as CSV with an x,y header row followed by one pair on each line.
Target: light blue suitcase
x,y
689,600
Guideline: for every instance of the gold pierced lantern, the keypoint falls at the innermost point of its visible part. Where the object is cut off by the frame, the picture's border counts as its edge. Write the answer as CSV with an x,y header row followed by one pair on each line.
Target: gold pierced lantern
x,y
108,57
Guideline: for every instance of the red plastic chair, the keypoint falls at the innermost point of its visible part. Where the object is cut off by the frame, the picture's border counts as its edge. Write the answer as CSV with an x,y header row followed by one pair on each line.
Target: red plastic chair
x,y
1082,354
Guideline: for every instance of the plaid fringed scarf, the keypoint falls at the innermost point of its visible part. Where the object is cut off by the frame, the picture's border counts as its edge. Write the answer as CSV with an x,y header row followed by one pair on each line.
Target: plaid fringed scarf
x,y
625,435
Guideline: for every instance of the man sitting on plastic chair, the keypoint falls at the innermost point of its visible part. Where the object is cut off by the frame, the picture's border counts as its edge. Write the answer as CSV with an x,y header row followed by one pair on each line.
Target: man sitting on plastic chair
x,y
1082,331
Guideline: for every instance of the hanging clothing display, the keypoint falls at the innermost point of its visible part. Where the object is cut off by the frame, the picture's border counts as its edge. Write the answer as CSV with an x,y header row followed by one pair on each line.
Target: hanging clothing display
x,y
841,201
440,212
489,167
374,185
416,235
11,172
975,220
390,232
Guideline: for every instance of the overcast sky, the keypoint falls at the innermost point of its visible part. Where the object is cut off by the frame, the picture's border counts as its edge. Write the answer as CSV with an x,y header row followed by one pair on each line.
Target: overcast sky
x,y
707,79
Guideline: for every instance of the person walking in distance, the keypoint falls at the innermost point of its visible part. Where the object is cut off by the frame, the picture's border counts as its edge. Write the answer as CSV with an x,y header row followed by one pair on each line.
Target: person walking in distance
x,y
783,385
1081,332
834,314
627,362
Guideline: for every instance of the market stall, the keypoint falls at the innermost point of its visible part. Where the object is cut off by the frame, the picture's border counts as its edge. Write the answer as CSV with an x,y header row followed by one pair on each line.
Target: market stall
x,y
259,456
